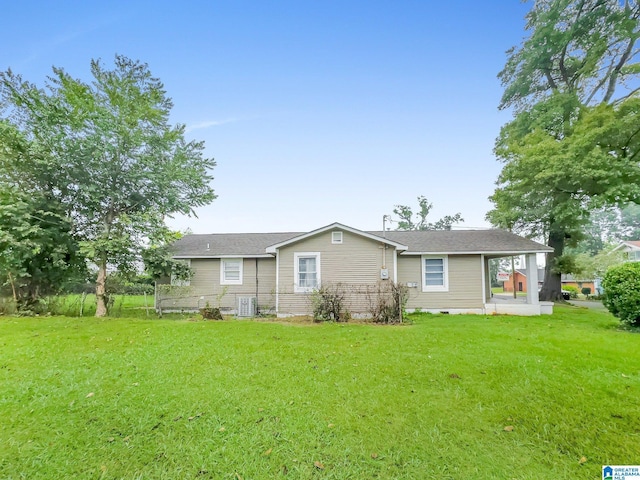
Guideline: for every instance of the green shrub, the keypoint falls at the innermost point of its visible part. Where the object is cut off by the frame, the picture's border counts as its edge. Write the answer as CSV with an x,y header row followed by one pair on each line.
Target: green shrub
x,y
7,306
573,291
621,286
586,291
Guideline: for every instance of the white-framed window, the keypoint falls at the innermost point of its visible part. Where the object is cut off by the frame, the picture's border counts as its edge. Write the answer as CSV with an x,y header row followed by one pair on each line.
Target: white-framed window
x,y
336,237
230,271
306,271
179,281
435,273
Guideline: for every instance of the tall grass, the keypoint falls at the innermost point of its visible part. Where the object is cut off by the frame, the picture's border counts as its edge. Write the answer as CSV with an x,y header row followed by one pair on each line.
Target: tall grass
x,y
77,305
447,397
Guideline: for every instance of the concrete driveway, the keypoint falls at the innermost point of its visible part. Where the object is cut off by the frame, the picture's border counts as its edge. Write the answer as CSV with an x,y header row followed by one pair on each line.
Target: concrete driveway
x,y
595,304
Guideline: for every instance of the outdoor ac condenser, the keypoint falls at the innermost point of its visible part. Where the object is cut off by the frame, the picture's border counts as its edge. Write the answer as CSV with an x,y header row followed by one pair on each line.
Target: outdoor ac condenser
x,y
247,306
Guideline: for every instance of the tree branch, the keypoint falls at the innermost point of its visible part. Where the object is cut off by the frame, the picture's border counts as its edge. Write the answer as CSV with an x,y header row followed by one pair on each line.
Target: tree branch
x,y
613,79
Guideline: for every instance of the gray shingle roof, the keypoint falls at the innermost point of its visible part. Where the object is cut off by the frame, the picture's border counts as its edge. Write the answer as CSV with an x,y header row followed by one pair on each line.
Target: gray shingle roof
x,y
223,244
432,241
464,241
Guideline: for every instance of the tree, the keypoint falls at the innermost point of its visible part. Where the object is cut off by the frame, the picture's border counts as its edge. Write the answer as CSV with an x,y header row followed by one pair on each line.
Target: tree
x,y
572,145
105,151
596,266
37,251
607,226
157,257
630,222
406,217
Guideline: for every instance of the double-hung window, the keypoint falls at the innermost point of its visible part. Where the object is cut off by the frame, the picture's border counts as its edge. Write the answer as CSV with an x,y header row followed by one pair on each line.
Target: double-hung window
x,y
231,271
435,274
306,271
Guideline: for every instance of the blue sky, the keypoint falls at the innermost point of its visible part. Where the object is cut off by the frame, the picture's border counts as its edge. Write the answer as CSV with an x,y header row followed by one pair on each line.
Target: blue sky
x,y
314,111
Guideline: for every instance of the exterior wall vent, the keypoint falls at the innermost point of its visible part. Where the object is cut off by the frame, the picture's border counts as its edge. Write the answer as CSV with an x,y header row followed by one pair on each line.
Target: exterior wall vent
x,y
247,306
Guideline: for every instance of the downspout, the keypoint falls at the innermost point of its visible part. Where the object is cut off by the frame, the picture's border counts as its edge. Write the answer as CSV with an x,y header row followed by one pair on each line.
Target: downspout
x,y
484,282
277,281
384,245
395,265
513,275
384,255
257,303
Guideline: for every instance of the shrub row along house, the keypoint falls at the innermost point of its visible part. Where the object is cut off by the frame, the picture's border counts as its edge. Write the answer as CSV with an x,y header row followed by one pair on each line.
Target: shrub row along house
x,y
249,273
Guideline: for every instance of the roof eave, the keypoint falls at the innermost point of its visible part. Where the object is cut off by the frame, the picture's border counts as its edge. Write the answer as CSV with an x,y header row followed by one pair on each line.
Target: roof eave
x,y
258,255
476,252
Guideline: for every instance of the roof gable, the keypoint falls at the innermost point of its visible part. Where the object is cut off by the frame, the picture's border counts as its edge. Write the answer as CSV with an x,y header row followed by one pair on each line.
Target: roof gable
x,y
336,226
629,244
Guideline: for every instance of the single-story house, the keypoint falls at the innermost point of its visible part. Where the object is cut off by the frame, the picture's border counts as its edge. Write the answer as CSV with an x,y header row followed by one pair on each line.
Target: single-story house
x,y
444,271
566,279
569,280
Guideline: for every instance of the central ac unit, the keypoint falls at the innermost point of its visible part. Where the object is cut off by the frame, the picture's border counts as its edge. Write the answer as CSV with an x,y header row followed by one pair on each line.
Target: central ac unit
x,y
247,306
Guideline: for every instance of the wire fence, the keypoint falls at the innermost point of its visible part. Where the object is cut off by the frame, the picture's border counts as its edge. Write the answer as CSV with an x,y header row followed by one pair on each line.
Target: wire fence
x,y
380,300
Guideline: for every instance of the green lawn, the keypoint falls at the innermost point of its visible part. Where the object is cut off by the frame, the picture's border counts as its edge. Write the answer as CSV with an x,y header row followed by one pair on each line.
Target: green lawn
x,y
447,397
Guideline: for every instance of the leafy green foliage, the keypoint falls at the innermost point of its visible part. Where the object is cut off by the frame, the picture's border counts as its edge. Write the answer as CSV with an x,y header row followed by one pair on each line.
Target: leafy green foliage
x,y
407,222
573,291
572,145
37,251
595,266
157,257
580,46
621,286
105,151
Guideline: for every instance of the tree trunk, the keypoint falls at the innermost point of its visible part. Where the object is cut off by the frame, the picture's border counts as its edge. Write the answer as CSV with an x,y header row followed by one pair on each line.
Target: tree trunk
x,y
13,288
552,287
101,293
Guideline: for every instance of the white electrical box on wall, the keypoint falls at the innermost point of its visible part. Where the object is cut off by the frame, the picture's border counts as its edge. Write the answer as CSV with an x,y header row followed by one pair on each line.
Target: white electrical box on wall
x,y
412,284
384,273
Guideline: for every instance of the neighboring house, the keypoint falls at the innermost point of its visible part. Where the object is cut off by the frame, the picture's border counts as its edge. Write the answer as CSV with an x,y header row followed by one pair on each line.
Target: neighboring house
x,y
631,250
578,282
566,280
445,271
521,280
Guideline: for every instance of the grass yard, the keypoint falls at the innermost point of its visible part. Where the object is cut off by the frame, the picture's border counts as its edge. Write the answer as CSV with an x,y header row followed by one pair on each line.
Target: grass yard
x,y
447,397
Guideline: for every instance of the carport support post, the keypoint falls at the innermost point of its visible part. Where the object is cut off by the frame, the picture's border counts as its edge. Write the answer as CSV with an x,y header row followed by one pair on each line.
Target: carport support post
x,y
532,279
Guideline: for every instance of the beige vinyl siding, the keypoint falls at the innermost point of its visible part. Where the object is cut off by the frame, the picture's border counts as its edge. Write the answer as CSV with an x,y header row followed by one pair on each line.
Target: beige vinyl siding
x,y
355,263
205,282
465,283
